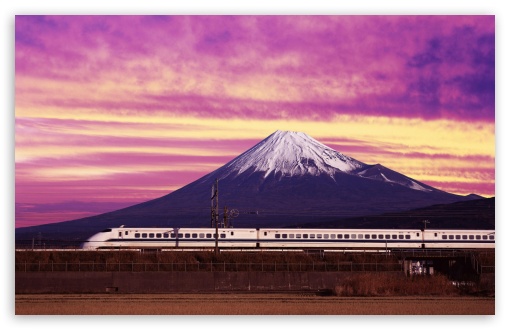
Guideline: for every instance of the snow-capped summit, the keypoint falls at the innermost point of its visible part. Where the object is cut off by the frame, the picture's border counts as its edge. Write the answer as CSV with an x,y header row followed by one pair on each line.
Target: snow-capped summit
x,y
287,153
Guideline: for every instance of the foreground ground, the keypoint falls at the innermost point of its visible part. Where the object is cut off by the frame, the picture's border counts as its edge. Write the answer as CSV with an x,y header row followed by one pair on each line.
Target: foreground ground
x,y
247,304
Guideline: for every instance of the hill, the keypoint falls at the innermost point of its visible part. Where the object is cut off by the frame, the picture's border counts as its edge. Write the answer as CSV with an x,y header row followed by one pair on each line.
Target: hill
x,y
474,214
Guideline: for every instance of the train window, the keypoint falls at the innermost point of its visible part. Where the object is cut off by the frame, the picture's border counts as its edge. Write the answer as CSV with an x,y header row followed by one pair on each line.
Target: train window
x,y
187,235
223,236
137,235
394,236
450,236
435,235
231,233
312,235
208,235
484,237
276,235
194,235
284,235
374,236
180,235
478,236
333,235
418,234
319,235
126,233
381,236
471,236
151,235
165,235
491,236
120,234
326,236
291,235
172,235
457,236
464,236
346,236
387,236
144,235
305,235
298,235
201,235
265,233
400,236
408,236
444,236
158,235
106,230
367,236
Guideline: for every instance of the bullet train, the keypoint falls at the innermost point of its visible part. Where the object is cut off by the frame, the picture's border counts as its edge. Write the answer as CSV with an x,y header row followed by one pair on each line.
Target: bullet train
x,y
280,238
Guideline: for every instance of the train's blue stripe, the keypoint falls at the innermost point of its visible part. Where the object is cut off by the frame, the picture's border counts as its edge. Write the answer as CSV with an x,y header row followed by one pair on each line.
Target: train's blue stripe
x,y
212,240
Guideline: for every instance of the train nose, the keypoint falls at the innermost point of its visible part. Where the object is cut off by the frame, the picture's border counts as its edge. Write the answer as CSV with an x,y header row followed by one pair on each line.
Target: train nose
x,y
89,244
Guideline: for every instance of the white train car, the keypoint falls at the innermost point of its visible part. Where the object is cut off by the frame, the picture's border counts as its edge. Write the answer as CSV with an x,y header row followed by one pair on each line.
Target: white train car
x,y
162,238
340,238
281,238
459,239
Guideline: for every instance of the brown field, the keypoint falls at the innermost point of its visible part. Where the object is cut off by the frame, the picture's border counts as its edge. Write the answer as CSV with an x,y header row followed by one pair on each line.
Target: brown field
x,y
247,304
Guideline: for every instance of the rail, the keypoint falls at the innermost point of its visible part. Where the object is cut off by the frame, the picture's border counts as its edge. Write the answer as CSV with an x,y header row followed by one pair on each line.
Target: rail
x,y
95,266
438,253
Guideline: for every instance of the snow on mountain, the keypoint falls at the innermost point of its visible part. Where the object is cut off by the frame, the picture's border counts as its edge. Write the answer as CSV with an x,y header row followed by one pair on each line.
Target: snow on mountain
x,y
381,173
292,154
296,154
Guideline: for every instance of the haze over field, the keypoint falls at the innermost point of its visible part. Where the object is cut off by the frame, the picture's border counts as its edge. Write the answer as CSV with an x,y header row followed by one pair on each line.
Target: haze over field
x,y
116,110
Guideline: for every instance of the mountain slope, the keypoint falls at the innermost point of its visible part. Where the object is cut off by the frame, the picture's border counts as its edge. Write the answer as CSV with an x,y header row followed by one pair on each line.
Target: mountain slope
x,y
286,179
472,214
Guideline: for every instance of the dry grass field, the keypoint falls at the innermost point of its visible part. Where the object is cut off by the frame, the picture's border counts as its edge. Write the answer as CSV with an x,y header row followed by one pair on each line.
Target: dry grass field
x,y
248,304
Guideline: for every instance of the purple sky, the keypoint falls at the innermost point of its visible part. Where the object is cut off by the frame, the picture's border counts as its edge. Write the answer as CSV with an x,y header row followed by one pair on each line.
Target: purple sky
x,y
116,110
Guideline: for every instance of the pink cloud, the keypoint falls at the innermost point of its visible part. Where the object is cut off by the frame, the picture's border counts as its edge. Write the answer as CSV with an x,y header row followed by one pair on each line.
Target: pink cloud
x,y
464,188
438,67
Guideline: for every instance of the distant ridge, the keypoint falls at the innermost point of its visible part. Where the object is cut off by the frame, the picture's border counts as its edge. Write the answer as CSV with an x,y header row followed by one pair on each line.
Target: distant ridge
x,y
473,214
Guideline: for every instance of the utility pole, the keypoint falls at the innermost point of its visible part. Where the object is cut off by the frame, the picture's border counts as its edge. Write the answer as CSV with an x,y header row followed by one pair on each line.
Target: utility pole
x,y
425,224
215,213
225,217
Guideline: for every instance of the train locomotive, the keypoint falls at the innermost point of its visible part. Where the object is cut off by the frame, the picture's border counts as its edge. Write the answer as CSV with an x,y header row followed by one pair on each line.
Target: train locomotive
x,y
283,238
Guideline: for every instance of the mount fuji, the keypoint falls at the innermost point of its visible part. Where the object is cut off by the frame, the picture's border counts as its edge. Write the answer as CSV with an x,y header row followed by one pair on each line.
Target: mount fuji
x,y
296,155
287,179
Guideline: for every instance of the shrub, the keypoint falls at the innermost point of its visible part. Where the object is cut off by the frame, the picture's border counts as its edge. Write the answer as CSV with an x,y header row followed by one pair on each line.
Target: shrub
x,y
388,284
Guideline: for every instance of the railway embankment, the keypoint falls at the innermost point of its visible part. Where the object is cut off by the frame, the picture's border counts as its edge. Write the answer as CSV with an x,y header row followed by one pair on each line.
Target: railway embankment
x,y
179,282
352,274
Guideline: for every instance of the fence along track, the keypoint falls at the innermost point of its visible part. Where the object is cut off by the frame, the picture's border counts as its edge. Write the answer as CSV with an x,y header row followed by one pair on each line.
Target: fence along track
x,y
204,267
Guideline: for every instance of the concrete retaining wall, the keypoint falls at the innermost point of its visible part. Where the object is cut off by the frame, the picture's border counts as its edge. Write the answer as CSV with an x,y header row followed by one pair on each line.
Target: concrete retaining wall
x,y
176,282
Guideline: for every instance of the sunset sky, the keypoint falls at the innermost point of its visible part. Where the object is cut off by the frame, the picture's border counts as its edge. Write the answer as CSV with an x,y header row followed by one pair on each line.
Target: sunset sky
x,y
111,111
